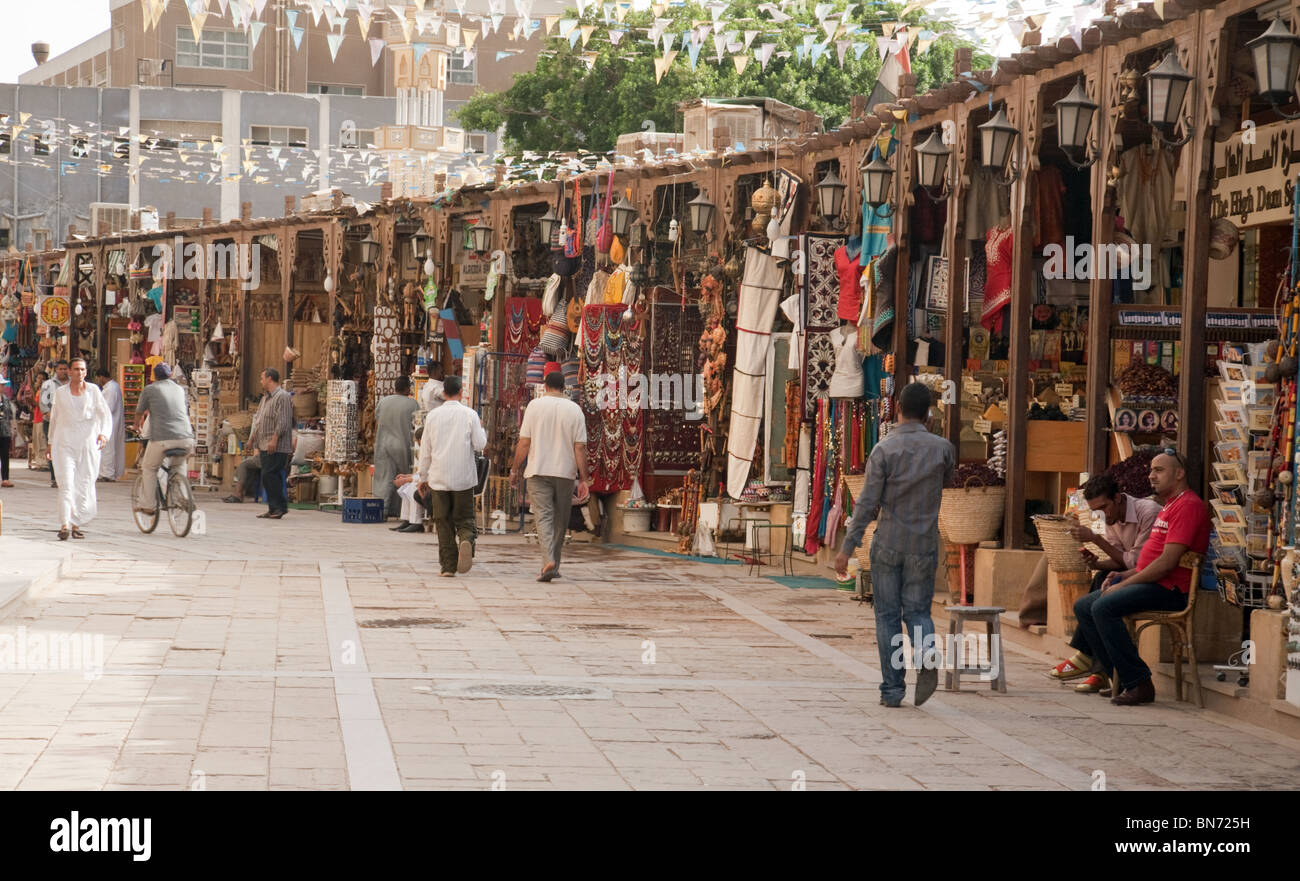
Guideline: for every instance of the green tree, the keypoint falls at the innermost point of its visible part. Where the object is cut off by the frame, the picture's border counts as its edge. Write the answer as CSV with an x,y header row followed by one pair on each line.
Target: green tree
x,y
585,97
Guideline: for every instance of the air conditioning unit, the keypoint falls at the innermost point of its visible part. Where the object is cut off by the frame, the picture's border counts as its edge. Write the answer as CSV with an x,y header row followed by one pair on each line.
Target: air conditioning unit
x,y
107,218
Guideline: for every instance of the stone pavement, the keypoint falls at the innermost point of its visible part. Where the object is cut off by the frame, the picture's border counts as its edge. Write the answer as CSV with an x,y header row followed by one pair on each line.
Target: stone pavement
x,y
309,654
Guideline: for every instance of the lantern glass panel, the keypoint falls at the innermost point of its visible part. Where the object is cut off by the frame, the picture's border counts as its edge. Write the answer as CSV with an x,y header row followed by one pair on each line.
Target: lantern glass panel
x,y
830,194
621,216
932,161
1074,114
876,178
701,213
1166,87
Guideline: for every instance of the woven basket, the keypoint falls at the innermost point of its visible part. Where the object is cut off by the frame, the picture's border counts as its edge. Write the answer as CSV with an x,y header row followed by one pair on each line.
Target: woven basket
x,y
972,514
854,484
1061,548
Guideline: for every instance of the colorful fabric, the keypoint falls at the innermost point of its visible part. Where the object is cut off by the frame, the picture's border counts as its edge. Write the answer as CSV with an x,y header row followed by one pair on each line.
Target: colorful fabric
x,y
821,287
759,292
997,288
612,352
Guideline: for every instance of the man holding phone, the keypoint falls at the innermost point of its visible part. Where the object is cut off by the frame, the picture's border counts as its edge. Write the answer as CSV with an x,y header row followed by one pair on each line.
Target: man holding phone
x,y
1128,525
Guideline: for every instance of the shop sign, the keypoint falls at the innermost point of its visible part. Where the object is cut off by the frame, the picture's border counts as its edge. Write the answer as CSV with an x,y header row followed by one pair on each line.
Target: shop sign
x,y
54,310
474,271
1253,181
1065,389
1149,318
1173,318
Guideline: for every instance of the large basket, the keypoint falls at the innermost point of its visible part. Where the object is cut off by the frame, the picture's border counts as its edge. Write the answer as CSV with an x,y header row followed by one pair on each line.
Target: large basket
x,y
972,514
854,484
1062,549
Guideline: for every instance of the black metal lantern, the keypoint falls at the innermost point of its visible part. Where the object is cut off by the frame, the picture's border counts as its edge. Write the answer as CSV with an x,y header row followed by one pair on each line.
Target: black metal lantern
x,y
1074,115
622,213
421,243
481,237
550,224
932,165
636,236
1167,85
369,249
877,176
997,137
830,195
701,213
1276,53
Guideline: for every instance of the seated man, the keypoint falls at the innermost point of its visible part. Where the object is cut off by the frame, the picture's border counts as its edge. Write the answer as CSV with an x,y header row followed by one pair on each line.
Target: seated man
x,y
248,477
1128,524
415,507
1159,584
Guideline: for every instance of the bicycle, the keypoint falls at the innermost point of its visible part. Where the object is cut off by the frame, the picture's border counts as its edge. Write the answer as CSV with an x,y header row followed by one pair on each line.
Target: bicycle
x,y
177,498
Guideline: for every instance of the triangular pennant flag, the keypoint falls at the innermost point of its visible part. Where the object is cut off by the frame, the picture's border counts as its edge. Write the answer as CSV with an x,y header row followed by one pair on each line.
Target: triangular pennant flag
x,y
764,54
196,26
407,25
749,37
376,49
292,15
741,62
859,49
258,5
615,35
469,35
317,7
574,36
668,42
657,29
497,18
693,52
829,27
363,22
255,31
817,51
334,41
662,65
620,11
718,41
821,10
297,33
587,31
340,6
842,49
566,26
551,21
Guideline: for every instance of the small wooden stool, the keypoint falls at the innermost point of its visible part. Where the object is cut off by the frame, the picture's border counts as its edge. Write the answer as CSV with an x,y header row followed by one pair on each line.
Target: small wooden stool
x,y
957,618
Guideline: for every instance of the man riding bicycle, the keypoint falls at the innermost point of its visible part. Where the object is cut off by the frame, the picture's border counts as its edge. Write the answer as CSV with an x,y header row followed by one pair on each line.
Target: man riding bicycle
x,y
163,401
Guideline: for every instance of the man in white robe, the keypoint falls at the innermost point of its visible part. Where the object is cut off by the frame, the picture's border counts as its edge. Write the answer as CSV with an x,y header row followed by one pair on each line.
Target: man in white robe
x,y
80,424
112,463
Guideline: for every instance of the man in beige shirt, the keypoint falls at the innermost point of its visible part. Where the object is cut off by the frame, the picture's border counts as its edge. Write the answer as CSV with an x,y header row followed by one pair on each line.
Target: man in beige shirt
x,y
1128,525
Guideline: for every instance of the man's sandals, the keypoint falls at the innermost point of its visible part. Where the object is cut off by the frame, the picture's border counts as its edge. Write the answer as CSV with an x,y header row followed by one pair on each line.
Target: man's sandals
x,y
1077,667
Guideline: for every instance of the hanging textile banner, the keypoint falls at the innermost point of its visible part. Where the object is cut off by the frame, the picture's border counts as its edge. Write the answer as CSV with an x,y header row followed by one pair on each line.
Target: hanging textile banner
x,y
821,286
759,292
613,396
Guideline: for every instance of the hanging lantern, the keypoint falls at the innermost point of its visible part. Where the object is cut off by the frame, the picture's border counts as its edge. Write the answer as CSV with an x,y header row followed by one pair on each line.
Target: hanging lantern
x,y
550,224
877,176
932,162
701,213
1167,85
997,136
481,237
369,249
622,213
830,195
1074,115
420,245
1276,53
636,237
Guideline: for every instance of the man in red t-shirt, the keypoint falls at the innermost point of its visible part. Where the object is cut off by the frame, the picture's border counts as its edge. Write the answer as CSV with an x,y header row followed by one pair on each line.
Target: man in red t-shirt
x,y
1159,584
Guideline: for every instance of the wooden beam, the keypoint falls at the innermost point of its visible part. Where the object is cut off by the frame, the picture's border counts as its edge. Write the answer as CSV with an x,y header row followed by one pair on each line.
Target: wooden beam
x,y
1102,77
1023,196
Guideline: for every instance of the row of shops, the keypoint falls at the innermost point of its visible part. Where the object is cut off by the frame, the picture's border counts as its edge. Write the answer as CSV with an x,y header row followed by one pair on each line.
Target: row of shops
x,y
1084,252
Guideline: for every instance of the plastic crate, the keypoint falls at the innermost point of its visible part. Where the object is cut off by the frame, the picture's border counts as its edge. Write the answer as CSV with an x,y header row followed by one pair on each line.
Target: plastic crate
x,y
363,510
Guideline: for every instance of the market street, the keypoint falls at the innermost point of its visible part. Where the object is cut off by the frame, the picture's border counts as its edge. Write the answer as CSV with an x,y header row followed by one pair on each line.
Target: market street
x,y
306,653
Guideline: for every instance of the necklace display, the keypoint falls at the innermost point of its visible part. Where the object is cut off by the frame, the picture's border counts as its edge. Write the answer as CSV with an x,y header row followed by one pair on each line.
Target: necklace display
x,y
612,354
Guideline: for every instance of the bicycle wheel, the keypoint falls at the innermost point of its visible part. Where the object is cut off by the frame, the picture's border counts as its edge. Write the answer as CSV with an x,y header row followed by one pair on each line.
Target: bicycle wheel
x,y
180,505
147,523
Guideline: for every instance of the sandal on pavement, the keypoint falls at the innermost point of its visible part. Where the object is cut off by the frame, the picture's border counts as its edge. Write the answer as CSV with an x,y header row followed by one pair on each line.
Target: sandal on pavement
x,y
232,500
548,573
63,534
1093,684
1078,666
6,483
77,533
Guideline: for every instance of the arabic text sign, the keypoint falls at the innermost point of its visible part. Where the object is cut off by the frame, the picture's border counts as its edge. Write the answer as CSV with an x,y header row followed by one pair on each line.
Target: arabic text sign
x,y
1255,182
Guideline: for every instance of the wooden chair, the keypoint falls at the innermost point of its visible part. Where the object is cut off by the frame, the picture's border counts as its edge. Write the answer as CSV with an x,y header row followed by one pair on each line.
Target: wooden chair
x,y
1179,625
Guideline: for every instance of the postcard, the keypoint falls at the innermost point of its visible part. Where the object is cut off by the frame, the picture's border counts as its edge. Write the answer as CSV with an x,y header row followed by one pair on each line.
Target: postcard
x,y
1256,545
1229,412
1260,418
1230,431
1227,494
1261,441
1231,452
1232,372
1229,472
1257,463
1229,515
1231,391
1231,536
1265,394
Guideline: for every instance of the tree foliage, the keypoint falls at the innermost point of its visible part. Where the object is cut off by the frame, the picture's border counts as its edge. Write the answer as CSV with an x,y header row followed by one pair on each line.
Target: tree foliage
x,y
585,97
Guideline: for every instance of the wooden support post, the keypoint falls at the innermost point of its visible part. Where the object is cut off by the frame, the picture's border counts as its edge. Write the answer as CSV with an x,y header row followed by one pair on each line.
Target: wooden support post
x,y
954,248
1102,83
1205,62
903,183
1020,109
288,252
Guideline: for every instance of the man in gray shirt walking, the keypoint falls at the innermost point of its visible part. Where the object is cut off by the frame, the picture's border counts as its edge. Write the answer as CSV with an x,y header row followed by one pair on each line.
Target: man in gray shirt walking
x,y
272,436
905,476
163,401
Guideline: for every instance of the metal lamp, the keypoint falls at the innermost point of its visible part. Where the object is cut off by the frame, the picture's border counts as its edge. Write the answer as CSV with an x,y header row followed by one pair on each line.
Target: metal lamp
x,y
997,137
701,213
1167,85
369,249
830,195
622,213
1074,115
932,166
549,224
420,245
1276,53
481,236
877,176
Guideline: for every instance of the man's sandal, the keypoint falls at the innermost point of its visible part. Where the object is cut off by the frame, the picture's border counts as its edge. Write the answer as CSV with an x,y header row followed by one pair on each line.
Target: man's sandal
x,y
1076,668
77,533
1093,684
63,534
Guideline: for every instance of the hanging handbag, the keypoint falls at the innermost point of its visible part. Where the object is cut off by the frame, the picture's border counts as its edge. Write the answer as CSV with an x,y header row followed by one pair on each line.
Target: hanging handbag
x,y
481,465
555,336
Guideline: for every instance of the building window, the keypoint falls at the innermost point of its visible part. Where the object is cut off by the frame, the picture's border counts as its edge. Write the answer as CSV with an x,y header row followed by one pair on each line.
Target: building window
x,y
219,50
461,72
278,136
475,143
356,137
119,37
4,239
5,136
328,89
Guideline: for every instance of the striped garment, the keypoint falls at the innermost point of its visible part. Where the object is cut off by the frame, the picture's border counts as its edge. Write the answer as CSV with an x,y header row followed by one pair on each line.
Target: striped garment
x,y
274,417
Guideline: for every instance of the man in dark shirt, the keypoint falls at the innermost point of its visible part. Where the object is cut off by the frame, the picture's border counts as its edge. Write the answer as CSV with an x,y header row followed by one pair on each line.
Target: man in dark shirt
x,y
905,476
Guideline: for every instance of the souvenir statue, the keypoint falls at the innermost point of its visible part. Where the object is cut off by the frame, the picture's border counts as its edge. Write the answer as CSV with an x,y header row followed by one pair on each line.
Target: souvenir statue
x,y
410,307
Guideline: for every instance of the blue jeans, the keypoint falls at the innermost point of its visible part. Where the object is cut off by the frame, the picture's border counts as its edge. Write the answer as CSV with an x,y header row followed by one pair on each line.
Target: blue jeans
x,y
902,586
1102,634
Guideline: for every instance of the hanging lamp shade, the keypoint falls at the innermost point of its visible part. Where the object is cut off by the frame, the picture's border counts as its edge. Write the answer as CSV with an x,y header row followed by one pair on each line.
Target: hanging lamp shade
x,y
1166,87
549,224
420,244
701,213
481,237
830,195
932,161
622,213
1074,115
877,176
1276,54
997,136
369,249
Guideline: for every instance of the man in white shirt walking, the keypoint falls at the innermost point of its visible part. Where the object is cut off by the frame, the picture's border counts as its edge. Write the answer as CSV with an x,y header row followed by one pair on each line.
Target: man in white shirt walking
x,y
452,434
553,440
